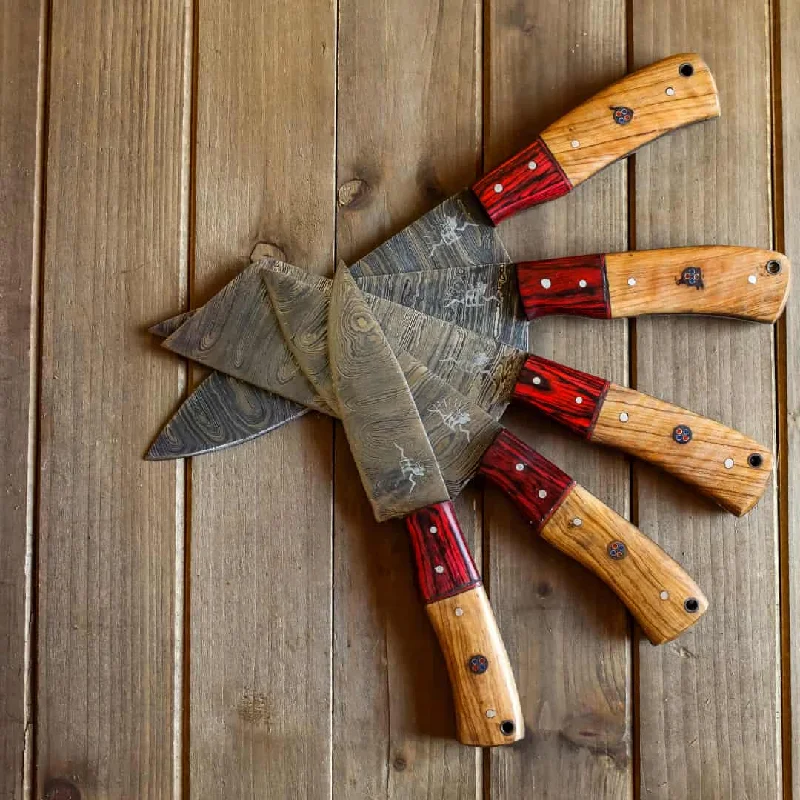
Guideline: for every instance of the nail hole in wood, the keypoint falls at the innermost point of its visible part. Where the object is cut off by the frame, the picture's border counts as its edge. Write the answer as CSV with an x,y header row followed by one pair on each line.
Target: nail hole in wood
x,y
691,605
686,70
773,267
755,460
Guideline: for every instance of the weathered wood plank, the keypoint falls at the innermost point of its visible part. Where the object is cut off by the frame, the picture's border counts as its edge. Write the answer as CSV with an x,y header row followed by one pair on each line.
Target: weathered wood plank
x,y
788,194
566,633
708,703
114,249
22,54
260,569
409,127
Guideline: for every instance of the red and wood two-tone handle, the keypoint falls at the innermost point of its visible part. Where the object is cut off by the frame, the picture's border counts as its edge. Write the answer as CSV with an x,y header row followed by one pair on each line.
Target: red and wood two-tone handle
x,y
718,461
660,595
628,114
743,282
488,710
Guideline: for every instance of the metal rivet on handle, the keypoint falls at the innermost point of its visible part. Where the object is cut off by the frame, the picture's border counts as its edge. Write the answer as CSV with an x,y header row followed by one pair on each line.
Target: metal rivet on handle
x,y
664,594
623,417
542,494
498,187
728,463
459,612
631,281
433,529
670,91
576,522
582,284
438,569
751,278
531,165
578,399
537,380
520,467
575,143
545,283
491,713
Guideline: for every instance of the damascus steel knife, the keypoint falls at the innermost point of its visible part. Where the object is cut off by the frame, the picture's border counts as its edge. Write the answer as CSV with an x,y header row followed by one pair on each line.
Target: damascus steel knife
x,y
743,282
402,479
236,332
635,110
467,441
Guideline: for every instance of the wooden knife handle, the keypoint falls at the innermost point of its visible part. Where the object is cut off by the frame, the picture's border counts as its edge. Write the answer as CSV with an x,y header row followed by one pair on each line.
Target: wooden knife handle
x,y
718,461
660,595
488,710
743,282
628,114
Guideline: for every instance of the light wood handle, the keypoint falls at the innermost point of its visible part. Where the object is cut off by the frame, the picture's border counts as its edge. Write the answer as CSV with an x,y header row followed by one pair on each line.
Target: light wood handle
x,y
740,282
660,595
641,107
720,462
488,710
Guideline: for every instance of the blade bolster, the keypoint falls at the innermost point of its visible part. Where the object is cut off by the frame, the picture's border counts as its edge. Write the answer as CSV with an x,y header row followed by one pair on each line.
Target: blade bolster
x,y
443,561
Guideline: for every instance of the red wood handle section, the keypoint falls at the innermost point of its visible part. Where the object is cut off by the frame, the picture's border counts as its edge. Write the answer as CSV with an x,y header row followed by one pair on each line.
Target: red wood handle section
x,y
443,562
661,596
644,105
530,177
488,710
575,285
568,396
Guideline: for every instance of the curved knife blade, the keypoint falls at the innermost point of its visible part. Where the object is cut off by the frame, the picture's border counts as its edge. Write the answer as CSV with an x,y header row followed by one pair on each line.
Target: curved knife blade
x,y
394,457
221,412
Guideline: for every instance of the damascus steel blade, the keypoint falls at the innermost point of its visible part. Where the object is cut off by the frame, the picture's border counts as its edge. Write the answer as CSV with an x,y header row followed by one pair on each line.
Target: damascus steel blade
x,y
221,412
237,333
484,298
456,233
394,457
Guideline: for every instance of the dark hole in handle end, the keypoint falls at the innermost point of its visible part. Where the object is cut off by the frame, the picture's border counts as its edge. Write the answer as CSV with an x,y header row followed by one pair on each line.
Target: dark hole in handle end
x,y
691,605
773,267
507,727
686,70
755,460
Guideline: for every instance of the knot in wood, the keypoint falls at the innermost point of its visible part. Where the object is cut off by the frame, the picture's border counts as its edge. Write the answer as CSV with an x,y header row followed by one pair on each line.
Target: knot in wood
x,y
352,193
61,789
267,250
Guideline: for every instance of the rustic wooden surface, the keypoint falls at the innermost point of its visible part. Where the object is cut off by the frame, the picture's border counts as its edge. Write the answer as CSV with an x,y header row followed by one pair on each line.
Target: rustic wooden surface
x,y
238,625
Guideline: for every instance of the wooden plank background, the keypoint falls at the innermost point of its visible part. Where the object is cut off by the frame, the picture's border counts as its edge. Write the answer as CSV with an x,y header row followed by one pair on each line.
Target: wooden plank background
x,y
238,625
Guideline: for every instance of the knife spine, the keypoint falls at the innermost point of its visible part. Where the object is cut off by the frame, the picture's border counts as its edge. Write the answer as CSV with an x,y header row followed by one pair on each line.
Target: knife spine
x,y
443,561
566,395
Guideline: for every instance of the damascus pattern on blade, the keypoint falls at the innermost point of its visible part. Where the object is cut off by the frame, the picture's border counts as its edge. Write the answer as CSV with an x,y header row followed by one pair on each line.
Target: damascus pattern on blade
x,y
459,431
483,298
455,233
483,370
391,449
221,412
237,333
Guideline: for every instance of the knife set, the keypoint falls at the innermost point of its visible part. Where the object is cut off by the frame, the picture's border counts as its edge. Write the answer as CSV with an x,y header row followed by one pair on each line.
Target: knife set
x,y
421,345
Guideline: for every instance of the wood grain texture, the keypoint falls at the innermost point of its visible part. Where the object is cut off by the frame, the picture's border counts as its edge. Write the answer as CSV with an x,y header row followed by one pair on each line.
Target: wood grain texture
x,y
114,249
411,147
566,632
484,693
571,285
721,463
568,396
663,599
260,571
708,708
788,190
657,99
725,280
22,55
437,541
